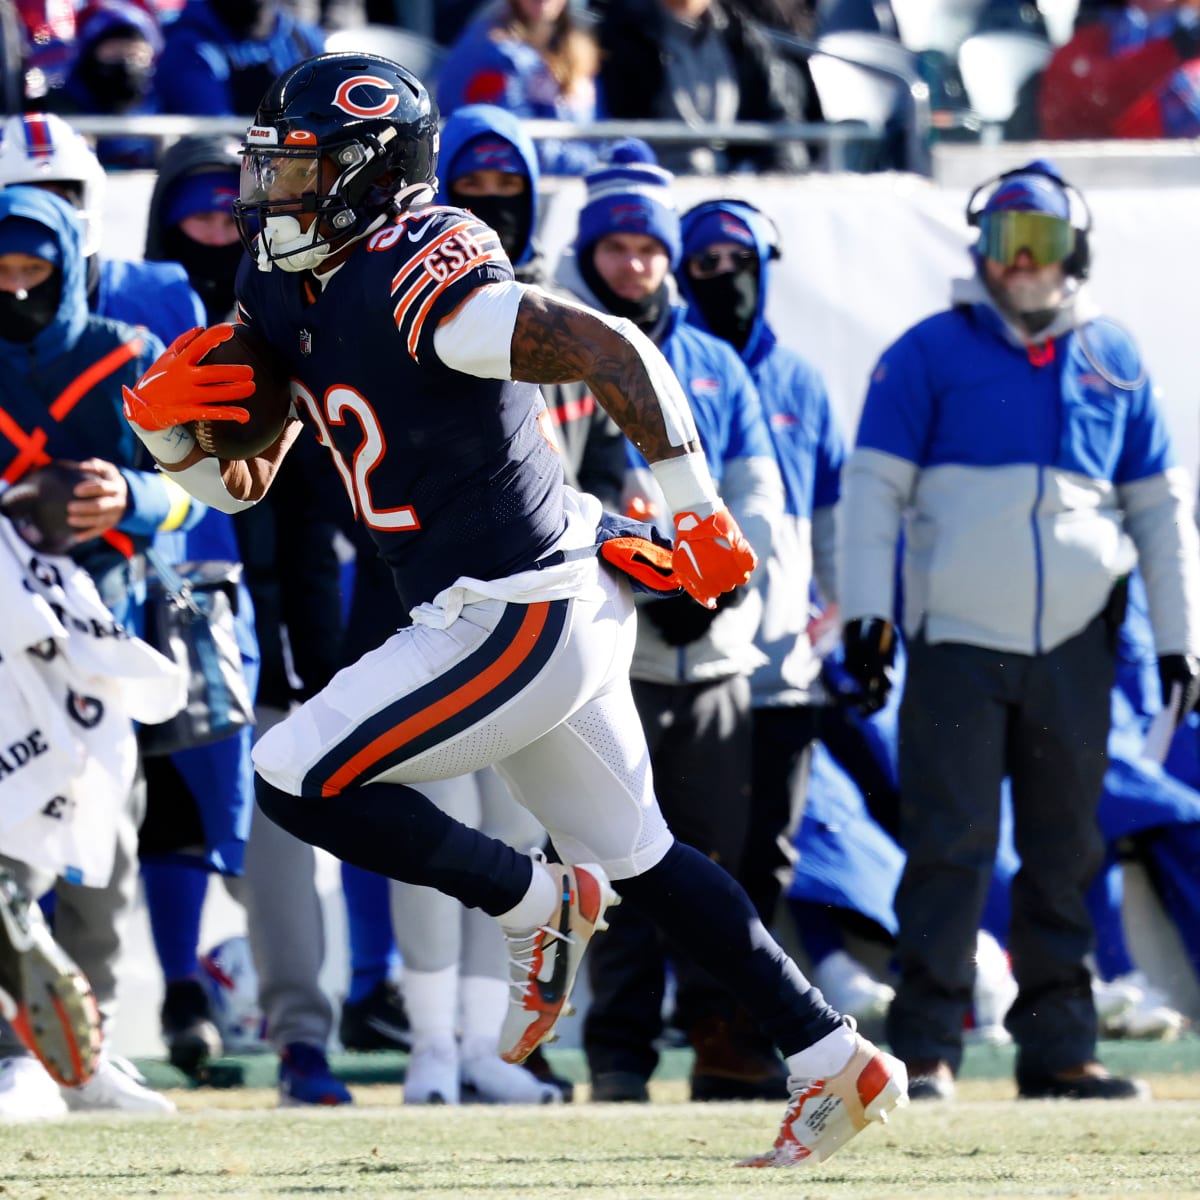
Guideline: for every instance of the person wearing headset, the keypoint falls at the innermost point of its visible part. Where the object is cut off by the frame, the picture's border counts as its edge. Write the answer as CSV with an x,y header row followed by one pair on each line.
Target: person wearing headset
x,y
1016,439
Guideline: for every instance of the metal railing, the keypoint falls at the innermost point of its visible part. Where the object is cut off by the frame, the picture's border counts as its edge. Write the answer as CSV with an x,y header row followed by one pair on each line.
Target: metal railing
x,y
834,136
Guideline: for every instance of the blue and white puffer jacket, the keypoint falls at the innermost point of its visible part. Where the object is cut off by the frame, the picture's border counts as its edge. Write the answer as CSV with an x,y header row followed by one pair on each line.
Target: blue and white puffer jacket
x,y
1028,479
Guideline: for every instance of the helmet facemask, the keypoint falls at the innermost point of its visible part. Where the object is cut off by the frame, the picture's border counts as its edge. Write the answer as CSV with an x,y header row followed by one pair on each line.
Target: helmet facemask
x,y
348,187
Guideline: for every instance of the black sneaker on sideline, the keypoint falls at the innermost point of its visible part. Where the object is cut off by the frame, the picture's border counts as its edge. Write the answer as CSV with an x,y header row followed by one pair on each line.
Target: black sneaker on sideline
x,y
619,1087
539,1067
1087,1081
377,1023
188,1029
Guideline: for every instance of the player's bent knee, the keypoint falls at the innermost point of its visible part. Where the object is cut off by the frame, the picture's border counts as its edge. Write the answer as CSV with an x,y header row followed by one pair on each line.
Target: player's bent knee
x,y
281,807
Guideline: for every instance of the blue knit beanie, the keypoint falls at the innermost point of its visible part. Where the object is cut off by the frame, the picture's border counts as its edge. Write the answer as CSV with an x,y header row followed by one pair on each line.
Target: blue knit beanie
x,y
630,193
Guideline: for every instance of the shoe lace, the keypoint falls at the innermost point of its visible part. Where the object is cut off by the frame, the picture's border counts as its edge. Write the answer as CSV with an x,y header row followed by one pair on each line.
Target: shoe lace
x,y
526,952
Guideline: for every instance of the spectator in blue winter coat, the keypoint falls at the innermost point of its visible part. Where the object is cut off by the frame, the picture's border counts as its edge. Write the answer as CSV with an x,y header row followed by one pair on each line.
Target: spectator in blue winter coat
x,y
1017,438
117,43
534,59
728,248
220,56
691,665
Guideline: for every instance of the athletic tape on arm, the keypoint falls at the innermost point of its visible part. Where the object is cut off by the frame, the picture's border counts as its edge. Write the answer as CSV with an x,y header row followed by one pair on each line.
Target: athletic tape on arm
x,y
203,480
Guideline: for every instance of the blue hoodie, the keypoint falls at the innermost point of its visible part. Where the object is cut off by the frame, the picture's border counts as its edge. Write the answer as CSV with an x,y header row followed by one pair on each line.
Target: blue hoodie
x,y
809,449
33,376
204,70
469,123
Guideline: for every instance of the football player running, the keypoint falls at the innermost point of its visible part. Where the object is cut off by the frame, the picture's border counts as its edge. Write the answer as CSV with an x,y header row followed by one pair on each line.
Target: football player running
x,y
415,358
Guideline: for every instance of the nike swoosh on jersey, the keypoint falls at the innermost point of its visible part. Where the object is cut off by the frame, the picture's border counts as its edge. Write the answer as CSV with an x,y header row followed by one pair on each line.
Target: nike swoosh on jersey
x,y
551,990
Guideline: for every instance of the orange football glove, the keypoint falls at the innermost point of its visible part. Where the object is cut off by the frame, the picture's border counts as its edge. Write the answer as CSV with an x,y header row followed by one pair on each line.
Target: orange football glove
x,y
711,556
178,388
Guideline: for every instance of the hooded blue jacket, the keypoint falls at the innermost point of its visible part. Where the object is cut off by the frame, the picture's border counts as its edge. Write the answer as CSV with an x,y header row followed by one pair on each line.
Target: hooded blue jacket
x,y
33,376
809,449
204,70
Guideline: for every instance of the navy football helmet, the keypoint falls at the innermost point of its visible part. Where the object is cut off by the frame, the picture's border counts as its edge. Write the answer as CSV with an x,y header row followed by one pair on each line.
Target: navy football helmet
x,y
351,139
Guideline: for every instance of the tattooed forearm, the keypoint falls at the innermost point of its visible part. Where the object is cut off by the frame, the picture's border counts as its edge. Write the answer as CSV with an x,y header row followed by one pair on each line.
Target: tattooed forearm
x,y
557,342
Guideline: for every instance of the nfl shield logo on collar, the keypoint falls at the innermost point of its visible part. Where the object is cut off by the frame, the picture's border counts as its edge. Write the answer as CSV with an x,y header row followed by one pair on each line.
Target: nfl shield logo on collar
x,y
305,342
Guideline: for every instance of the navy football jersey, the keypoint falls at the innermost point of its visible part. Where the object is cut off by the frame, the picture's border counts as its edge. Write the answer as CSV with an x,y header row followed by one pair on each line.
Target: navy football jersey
x,y
451,474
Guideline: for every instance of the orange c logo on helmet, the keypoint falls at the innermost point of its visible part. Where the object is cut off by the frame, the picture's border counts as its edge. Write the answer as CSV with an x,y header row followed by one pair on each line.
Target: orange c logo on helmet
x,y
388,104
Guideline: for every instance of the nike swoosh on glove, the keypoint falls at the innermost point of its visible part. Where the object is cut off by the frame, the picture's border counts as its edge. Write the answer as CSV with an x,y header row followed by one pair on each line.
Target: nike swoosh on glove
x,y
178,387
711,556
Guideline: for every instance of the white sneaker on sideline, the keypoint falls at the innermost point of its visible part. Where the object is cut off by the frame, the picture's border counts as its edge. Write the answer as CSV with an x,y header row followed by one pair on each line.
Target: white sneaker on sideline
x,y
27,1093
431,1076
1113,998
117,1086
1150,1017
993,995
850,988
494,1081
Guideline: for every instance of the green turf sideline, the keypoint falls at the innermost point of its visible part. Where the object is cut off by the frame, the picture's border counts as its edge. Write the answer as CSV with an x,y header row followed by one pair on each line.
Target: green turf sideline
x,y
980,1062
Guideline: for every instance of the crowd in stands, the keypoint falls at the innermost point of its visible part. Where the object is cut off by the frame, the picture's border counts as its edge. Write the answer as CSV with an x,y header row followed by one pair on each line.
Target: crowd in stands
x,y
1015,69
761,723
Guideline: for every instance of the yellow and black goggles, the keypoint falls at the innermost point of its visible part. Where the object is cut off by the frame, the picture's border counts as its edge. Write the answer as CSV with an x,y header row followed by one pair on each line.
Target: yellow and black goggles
x,y
1046,239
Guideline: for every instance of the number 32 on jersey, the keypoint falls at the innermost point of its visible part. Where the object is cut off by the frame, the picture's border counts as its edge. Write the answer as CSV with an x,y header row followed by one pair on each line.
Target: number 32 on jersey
x,y
342,402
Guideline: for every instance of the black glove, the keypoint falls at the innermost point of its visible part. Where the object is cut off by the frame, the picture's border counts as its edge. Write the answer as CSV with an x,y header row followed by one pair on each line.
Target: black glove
x,y
870,653
1184,670
679,620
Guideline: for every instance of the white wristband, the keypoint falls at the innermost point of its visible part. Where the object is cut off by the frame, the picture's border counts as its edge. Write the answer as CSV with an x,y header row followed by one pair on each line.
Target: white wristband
x,y
168,446
687,484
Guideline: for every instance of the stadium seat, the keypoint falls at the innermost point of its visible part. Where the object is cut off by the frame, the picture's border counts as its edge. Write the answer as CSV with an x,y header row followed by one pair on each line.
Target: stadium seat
x,y
937,24
995,65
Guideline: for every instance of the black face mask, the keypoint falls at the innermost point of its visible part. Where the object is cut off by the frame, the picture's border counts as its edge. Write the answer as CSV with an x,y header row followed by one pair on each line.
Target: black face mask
x,y
729,304
211,270
509,216
22,320
241,17
115,85
644,313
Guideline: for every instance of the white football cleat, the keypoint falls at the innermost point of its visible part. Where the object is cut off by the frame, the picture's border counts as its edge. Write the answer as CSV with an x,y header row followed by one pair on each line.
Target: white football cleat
x,y
487,1078
824,1114
850,988
432,1075
27,1093
117,1086
543,961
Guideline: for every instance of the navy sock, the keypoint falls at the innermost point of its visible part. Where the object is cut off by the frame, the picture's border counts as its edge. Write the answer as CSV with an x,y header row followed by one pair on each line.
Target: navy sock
x,y
175,902
369,926
704,911
396,831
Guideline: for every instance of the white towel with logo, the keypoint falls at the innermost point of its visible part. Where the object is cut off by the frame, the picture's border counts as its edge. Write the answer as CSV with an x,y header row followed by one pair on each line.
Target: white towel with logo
x,y
73,683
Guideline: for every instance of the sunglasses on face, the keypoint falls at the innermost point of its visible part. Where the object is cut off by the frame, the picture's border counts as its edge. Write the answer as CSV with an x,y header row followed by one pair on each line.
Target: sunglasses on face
x,y
717,262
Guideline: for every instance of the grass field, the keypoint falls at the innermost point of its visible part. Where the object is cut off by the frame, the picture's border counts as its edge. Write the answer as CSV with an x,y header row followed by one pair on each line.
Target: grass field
x,y
236,1144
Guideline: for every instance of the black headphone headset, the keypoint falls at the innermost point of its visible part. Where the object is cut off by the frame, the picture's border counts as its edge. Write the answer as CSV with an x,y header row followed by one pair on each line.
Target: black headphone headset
x,y
1079,261
705,207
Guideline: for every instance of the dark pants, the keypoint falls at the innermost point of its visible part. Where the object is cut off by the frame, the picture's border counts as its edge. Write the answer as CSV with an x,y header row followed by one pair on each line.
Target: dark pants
x,y
969,717
699,740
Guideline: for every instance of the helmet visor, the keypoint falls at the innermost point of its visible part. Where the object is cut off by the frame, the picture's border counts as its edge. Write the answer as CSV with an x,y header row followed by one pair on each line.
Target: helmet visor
x,y
268,178
1045,238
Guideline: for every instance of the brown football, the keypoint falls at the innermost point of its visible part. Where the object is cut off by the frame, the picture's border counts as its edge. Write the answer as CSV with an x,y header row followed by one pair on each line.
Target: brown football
x,y
269,405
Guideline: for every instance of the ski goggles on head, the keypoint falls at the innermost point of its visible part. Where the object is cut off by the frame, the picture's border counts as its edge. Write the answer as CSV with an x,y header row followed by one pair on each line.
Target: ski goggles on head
x,y
1003,236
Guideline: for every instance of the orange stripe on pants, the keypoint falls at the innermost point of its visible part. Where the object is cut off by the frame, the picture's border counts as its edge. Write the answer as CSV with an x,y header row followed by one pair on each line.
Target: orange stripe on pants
x,y
448,706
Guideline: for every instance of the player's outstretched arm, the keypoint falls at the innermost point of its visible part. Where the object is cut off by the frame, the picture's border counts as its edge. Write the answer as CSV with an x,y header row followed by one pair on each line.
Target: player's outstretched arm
x,y
555,341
